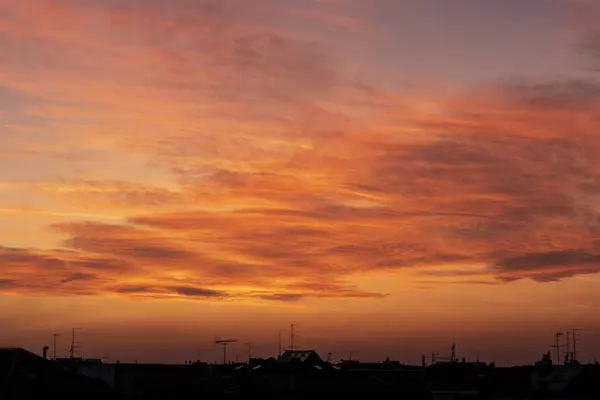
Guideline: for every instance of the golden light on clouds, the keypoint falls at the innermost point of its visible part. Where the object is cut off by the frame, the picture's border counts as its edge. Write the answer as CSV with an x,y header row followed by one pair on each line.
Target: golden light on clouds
x,y
215,152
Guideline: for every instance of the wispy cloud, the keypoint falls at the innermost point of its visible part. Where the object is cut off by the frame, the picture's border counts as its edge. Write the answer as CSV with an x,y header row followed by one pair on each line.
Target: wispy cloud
x,y
249,164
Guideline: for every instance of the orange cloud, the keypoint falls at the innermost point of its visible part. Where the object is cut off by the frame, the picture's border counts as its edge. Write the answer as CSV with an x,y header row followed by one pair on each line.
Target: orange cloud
x,y
514,197
287,179
98,194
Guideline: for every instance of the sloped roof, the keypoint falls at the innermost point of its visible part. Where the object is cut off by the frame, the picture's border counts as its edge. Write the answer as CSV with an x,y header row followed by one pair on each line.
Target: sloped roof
x,y
299,356
307,379
28,373
562,376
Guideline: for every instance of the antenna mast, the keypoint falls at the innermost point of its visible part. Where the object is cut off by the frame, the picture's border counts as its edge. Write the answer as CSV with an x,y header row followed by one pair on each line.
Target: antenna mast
x,y
575,336
74,344
557,345
54,344
567,352
225,342
249,345
292,337
279,344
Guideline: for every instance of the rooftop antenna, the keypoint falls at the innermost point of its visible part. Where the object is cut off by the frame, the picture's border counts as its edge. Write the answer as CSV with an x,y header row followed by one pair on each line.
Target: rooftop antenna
x,y
74,344
249,345
557,345
575,337
292,337
279,344
54,336
567,352
225,342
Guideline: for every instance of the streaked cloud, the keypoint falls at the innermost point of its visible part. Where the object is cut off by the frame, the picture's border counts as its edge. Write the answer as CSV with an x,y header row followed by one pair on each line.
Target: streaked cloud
x,y
244,161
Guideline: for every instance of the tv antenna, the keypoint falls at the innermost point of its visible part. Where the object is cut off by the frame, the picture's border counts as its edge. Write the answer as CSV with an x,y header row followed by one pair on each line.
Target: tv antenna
x,y
575,337
351,354
224,343
249,346
279,344
54,336
292,337
568,354
74,344
557,345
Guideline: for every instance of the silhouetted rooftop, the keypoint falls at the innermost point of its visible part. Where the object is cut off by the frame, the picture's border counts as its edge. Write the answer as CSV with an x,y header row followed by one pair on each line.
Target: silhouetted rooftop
x,y
300,356
27,375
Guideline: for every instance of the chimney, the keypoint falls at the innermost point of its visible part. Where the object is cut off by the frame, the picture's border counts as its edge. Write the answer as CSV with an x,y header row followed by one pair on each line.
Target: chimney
x,y
45,352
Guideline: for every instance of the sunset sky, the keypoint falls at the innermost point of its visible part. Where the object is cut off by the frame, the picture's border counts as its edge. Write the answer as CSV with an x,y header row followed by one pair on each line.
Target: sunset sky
x,y
391,176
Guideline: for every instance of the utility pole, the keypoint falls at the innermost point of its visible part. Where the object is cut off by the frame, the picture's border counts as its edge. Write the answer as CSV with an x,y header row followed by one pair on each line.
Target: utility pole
x,y
292,337
54,345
